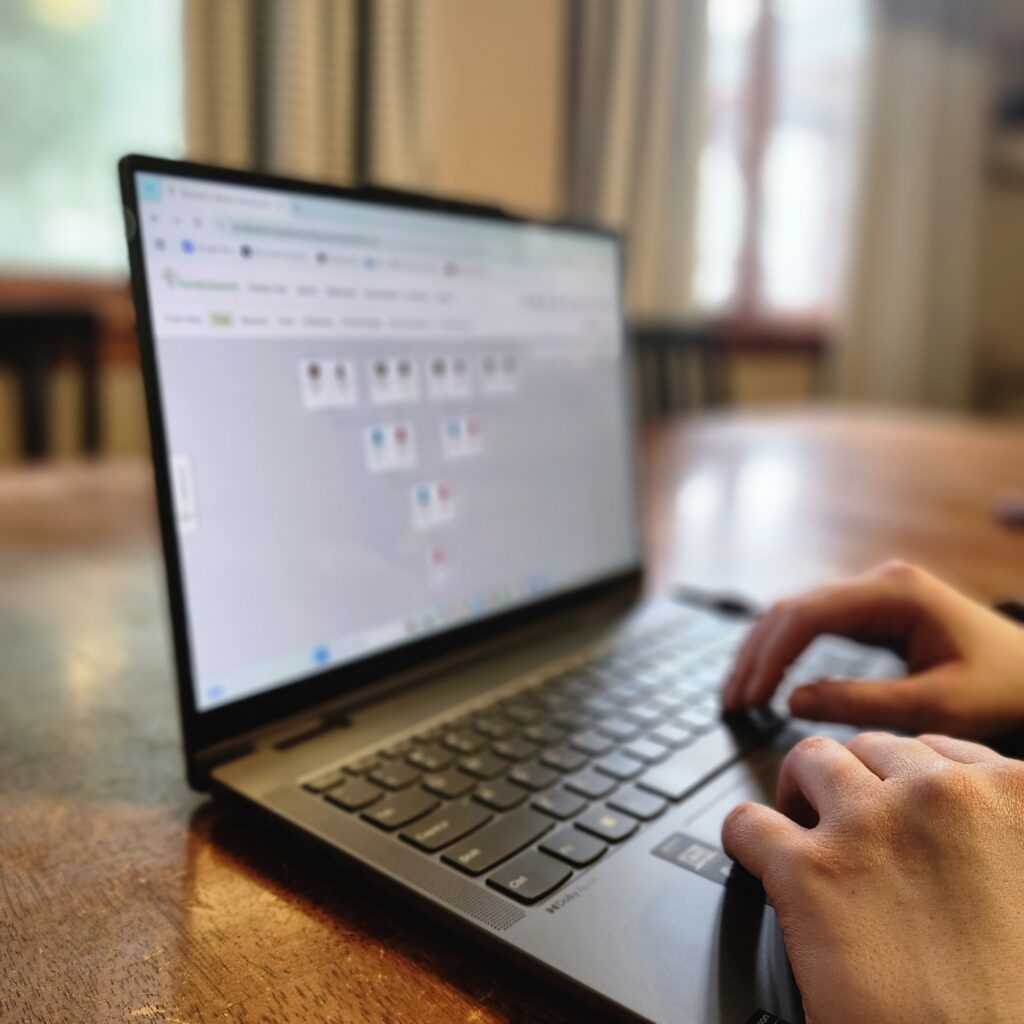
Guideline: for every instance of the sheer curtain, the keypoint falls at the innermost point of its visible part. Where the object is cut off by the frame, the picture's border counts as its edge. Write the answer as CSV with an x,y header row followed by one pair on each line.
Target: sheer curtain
x,y
634,134
905,334
274,84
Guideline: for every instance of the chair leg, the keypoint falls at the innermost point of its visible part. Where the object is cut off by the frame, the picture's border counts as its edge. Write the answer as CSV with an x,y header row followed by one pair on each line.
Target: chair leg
x,y
35,442
90,395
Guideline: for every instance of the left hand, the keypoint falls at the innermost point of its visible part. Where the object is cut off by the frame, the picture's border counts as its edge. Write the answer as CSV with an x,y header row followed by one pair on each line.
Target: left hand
x,y
895,866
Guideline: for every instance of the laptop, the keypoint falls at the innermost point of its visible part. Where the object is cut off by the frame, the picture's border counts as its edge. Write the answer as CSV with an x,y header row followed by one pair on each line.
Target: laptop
x,y
394,456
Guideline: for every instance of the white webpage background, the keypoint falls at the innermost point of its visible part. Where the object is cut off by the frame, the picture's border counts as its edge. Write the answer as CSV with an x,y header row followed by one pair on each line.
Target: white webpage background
x,y
296,551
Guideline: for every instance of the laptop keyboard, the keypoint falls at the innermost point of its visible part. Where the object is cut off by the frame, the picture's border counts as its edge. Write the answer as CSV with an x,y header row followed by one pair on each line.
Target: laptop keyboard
x,y
530,789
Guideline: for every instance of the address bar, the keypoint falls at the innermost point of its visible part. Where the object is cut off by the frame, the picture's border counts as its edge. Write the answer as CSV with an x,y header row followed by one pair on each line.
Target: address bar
x,y
245,227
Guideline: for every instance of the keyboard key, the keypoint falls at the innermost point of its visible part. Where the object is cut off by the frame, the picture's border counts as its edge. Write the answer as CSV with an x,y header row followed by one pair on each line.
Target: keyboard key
x,y
607,824
590,784
532,775
544,733
686,769
667,701
394,775
574,847
637,803
618,766
522,712
646,751
431,758
515,748
530,877
671,734
574,686
564,759
645,714
449,784
465,742
401,808
494,727
450,823
355,794
559,803
698,719
599,705
325,780
400,749
619,729
571,718
624,690
363,764
494,843
592,742
484,765
500,795
554,701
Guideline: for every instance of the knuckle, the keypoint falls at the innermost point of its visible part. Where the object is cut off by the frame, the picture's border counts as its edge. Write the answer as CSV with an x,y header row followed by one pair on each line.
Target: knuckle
x,y
791,610
950,789
865,741
900,570
812,745
1008,779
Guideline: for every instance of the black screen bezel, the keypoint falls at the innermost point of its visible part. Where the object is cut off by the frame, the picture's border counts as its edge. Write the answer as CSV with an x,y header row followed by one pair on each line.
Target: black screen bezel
x,y
203,729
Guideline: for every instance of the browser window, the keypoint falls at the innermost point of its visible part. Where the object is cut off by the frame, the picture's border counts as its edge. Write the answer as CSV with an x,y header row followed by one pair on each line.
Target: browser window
x,y
382,422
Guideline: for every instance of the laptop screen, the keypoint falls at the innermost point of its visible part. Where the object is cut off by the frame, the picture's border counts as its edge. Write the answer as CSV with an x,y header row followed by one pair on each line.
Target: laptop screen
x,y
382,422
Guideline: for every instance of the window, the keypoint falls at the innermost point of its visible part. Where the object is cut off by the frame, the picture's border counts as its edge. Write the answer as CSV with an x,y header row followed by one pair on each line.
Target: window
x,y
84,82
776,171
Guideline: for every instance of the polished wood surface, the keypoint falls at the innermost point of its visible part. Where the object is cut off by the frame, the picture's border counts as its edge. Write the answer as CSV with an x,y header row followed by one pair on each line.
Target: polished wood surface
x,y
125,897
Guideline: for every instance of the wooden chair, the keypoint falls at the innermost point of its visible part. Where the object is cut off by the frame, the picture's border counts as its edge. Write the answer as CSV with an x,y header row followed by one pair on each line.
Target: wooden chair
x,y
33,342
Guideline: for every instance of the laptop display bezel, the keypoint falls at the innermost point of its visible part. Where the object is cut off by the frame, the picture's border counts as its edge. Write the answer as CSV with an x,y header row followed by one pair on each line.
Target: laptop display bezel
x,y
203,729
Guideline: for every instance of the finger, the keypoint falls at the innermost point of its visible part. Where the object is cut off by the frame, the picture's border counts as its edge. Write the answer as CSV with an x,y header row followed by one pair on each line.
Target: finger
x,y
742,666
963,751
756,836
909,703
816,776
891,756
870,607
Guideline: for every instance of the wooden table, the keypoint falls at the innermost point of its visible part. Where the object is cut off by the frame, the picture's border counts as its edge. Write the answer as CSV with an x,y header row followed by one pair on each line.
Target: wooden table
x,y
125,897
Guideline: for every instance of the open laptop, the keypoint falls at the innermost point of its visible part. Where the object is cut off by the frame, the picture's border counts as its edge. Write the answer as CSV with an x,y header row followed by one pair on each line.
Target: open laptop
x,y
394,460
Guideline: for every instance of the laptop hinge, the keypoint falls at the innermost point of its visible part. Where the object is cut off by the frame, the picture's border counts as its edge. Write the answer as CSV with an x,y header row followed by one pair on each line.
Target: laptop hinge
x,y
280,736
305,729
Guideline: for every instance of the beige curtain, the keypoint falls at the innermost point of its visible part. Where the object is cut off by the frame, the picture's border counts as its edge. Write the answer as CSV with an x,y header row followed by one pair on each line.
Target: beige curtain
x,y
906,328
271,85
635,133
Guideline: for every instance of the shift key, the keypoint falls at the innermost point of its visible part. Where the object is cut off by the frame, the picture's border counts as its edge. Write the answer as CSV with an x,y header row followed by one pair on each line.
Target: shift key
x,y
493,844
452,822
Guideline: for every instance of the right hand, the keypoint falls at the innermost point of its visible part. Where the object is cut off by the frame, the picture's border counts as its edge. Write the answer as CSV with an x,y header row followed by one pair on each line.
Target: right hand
x,y
966,663
894,867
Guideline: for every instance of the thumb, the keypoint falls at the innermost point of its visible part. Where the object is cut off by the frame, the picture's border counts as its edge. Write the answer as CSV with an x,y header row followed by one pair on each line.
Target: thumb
x,y
908,703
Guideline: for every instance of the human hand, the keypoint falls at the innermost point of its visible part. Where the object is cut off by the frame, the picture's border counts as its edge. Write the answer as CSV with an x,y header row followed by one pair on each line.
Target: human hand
x,y
894,866
966,663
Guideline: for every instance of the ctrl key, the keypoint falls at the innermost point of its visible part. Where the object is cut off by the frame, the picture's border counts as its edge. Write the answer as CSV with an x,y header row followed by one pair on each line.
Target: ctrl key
x,y
530,877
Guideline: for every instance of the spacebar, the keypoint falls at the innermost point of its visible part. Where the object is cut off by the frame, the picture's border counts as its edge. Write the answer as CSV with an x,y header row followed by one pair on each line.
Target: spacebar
x,y
682,773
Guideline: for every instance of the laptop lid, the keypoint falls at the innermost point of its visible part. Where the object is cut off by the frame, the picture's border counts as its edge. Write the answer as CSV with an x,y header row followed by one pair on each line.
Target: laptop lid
x,y
382,428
